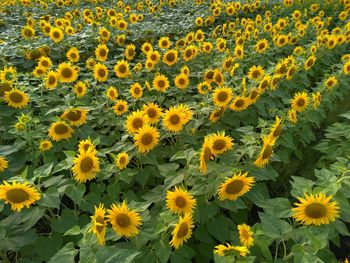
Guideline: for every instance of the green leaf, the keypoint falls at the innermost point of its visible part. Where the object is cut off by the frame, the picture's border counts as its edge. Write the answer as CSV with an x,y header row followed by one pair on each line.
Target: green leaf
x,y
116,254
50,198
162,251
44,170
76,192
273,227
65,255
73,231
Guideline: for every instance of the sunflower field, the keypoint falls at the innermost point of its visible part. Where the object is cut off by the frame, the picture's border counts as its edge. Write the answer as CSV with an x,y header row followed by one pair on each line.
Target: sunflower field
x,y
174,131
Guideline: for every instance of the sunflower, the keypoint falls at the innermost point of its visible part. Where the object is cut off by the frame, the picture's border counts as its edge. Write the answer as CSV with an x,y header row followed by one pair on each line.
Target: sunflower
x,y
120,107
220,143
121,69
73,55
130,51
261,46
209,76
239,103
180,201
275,130
236,186
291,71
309,62
207,47
16,98
85,145
56,34
293,116
3,164
173,119
100,72
203,87
124,221
101,52
45,62
146,139
28,32
146,48
245,235
67,73
186,111
164,42
45,145
99,224
75,116
90,63
218,77
316,209
181,81
300,101
136,90
18,195
86,166
160,83
121,160
189,53
79,89
224,250
135,121
112,93
60,131
331,82
346,68
51,80
182,231
153,111
216,114
170,57
265,152
154,57
222,96
39,71
256,72
205,155
239,52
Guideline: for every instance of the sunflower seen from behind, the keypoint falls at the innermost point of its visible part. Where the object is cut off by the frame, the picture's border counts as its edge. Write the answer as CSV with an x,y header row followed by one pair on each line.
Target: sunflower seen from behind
x,y
180,201
124,221
99,224
85,145
182,231
235,187
18,195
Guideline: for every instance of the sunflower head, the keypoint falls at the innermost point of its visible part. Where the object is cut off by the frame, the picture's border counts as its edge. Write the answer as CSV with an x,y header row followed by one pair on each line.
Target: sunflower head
x,y
180,201
300,101
86,166
99,223
245,235
235,187
146,138
122,160
182,231
16,98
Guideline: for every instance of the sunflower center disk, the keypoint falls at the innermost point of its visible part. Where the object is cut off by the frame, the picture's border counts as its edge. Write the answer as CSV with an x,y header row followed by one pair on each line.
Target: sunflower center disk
x,y
16,97
300,102
234,187
67,73
174,119
180,201
152,113
267,152
100,220
219,145
86,164
74,115
239,103
147,139
316,210
17,196
183,230
222,96
137,123
123,220
61,129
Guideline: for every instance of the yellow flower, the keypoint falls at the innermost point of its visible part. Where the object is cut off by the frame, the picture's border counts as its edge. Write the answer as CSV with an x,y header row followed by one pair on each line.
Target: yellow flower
x,y
224,250
3,164
28,32
146,139
346,68
235,187
180,201
75,116
309,62
293,116
45,62
86,166
300,101
100,72
51,80
16,98
245,235
112,93
265,152
136,90
45,145
316,209
222,96
121,69
173,119
73,55
275,130
204,87
146,48
182,231
316,98
67,73
135,121
122,160
220,143
101,52
79,89
205,155
239,103
99,224
170,57
160,83
164,42
153,111
56,34
124,221
331,82
18,195
60,131
261,46
130,51
120,107
256,72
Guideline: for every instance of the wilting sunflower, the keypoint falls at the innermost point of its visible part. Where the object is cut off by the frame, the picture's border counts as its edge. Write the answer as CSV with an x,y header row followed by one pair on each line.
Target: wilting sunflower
x,y
120,107
3,164
316,209
275,130
125,222
205,155
101,52
112,93
300,101
85,145
60,131
153,111
256,72
346,68
79,89
173,119
67,72
331,82
51,80
160,83
239,103
45,145
245,235
135,121
236,186
222,96
16,98
18,195
86,166
121,160
170,57
99,224
121,69
309,62
220,143
180,201
75,116
146,139
265,152
73,55
182,231
100,72
224,250
136,90
261,46
56,34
